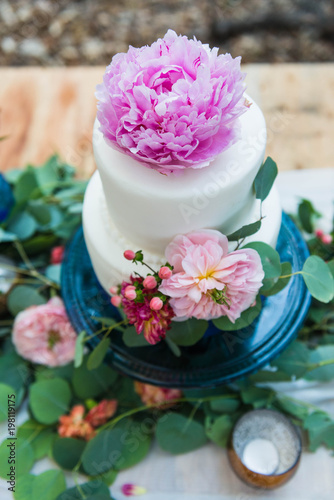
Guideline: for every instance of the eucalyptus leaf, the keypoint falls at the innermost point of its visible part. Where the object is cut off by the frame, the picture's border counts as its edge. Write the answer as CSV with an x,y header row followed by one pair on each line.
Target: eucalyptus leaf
x,y
116,448
187,333
132,339
322,354
48,485
23,296
92,383
247,317
24,454
318,279
173,347
23,487
245,231
178,434
225,405
6,236
14,371
320,430
91,489
218,430
97,356
53,272
39,436
258,397
49,399
294,360
265,178
67,452
270,260
280,283
79,348
306,214
23,225
25,186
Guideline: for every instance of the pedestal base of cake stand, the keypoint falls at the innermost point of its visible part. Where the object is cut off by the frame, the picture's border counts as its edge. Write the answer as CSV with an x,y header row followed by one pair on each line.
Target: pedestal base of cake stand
x,y
220,357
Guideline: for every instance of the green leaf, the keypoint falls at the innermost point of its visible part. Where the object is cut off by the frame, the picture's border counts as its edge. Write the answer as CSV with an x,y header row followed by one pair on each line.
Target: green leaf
x,y
330,264
39,436
49,399
247,317
23,296
294,360
258,397
67,452
321,354
320,430
5,391
47,175
218,430
224,405
117,448
265,178
269,376
292,407
44,373
14,371
186,333
23,225
108,477
245,231
40,243
97,356
6,236
306,212
25,186
280,283
270,260
48,485
89,490
79,348
318,279
53,273
173,347
24,456
23,487
177,434
92,383
132,339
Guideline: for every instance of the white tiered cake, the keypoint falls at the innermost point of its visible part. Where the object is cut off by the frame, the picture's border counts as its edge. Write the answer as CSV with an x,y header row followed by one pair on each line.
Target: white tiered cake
x,y
128,205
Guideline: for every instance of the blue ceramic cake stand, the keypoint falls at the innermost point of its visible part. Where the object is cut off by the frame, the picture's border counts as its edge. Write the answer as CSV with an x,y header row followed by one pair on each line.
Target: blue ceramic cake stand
x,y
220,357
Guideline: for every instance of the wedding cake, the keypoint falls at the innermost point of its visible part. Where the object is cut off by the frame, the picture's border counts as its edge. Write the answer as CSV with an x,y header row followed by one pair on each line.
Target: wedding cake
x,y
177,144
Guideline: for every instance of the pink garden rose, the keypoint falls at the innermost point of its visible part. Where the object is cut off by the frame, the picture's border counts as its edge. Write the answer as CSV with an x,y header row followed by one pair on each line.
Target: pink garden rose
x,y
44,335
207,281
152,395
171,105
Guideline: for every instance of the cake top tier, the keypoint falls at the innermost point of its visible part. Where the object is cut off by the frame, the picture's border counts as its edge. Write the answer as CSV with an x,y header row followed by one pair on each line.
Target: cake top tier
x,y
172,105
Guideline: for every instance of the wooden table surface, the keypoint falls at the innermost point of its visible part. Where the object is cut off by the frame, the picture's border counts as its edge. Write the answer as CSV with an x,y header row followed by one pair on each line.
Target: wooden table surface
x,y
47,110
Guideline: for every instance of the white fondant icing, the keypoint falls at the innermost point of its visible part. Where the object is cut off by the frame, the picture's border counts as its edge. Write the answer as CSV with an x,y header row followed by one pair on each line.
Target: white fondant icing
x,y
106,244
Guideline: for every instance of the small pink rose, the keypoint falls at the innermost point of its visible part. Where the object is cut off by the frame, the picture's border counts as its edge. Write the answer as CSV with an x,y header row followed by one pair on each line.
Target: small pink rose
x,y
129,254
165,273
44,335
156,304
130,292
149,282
319,233
116,300
113,290
327,239
57,255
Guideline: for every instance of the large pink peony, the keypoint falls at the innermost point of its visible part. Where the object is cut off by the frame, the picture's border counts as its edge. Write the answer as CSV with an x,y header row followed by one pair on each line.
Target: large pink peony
x,y
44,335
171,105
207,281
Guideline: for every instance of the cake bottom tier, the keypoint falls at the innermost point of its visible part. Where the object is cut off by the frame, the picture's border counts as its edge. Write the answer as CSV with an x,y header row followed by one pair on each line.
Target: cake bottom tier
x,y
106,244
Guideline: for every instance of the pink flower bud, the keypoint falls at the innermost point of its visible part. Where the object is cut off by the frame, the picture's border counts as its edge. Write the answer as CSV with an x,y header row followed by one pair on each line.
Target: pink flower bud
x,y
130,490
150,282
113,290
156,304
130,292
165,273
129,254
57,254
319,233
327,239
116,300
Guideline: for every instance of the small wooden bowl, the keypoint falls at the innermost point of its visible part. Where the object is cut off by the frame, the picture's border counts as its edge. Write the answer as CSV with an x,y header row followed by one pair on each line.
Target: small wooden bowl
x,y
274,427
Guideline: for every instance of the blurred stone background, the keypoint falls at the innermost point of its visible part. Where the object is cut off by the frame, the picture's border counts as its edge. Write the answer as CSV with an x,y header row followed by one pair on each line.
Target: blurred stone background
x,y
90,32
